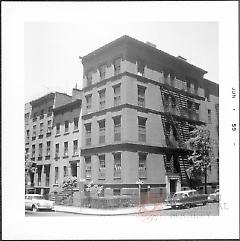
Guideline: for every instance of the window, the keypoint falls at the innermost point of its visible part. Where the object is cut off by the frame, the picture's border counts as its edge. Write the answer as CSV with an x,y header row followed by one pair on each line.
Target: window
x,y
117,66
89,78
41,129
142,169
207,94
142,129
56,176
40,149
101,131
140,68
76,119
50,109
65,172
41,114
188,86
74,169
102,99
33,151
141,96
209,117
39,171
34,130
35,116
57,150
49,126
102,161
27,118
88,170
65,148
117,95
48,148
117,165
88,103
195,88
75,147
116,192
27,135
102,165
102,71
66,126
57,128
88,134
117,128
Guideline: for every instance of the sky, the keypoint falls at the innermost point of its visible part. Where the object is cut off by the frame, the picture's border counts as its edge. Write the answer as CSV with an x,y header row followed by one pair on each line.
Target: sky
x,y
52,49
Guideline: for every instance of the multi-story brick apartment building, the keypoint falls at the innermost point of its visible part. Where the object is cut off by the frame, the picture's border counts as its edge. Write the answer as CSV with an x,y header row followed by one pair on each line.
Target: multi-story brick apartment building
x,y
139,104
66,142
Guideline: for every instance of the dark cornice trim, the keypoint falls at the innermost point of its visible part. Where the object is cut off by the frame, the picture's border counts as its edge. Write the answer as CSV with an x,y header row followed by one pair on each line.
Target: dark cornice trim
x,y
143,80
140,109
132,148
68,107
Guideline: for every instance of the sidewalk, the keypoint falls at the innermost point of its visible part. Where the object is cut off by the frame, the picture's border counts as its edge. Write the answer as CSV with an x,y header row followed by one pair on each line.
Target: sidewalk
x,y
112,212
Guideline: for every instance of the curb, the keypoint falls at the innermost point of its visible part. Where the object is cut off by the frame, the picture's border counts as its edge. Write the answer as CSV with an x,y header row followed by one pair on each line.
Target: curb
x,y
109,213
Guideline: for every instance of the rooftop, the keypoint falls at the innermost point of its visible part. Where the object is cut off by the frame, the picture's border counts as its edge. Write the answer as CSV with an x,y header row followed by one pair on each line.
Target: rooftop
x,y
128,39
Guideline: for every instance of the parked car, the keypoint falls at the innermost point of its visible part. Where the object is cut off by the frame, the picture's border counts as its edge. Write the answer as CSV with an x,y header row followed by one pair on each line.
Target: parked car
x,y
187,199
214,197
36,202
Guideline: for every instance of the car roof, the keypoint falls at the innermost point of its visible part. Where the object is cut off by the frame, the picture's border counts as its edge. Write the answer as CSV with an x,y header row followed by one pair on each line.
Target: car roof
x,y
33,195
186,191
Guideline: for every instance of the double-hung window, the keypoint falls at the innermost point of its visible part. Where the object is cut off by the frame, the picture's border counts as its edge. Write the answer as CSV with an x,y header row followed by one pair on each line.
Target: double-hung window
x,y
141,96
76,119
101,131
88,169
48,148
88,134
117,95
56,176
117,165
142,168
102,99
66,126
88,103
65,148
75,147
57,150
117,66
102,71
117,128
142,129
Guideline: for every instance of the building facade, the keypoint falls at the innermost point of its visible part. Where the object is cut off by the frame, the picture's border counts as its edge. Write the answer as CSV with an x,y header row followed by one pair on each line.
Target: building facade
x,y
126,129
138,107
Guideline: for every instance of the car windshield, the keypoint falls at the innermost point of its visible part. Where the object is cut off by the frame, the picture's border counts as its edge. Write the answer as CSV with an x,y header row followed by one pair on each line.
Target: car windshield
x,y
37,197
179,195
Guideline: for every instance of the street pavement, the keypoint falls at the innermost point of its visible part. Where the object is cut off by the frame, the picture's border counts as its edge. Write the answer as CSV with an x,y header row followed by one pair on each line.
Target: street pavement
x,y
211,209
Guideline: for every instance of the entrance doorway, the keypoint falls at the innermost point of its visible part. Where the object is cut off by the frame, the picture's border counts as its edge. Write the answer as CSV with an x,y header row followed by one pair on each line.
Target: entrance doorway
x,y
173,186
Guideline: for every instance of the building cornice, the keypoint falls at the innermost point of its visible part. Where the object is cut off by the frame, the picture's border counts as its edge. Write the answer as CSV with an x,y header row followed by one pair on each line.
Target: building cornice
x,y
68,107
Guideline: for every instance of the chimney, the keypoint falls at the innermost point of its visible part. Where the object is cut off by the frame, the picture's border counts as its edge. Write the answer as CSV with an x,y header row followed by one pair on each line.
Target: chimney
x,y
151,44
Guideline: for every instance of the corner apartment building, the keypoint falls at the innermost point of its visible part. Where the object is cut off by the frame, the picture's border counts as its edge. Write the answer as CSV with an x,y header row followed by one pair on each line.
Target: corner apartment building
x,y
139,104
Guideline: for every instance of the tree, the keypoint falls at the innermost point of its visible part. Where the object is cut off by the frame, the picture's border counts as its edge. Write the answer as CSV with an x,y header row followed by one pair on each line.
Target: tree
x,y
69,183
202,154
30,169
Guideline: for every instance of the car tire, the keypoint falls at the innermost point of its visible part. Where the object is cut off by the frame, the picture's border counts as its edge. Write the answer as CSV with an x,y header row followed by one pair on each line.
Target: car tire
x,y
34,208
204,203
